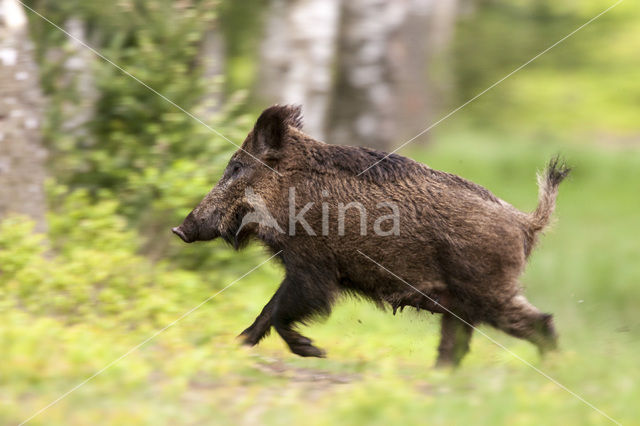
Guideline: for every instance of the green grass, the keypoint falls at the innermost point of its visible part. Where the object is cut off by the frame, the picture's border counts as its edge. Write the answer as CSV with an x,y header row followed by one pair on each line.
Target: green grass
x,y
585,271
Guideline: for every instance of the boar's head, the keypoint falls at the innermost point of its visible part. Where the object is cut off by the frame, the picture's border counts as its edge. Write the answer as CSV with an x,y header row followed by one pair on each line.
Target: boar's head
x,y
253,166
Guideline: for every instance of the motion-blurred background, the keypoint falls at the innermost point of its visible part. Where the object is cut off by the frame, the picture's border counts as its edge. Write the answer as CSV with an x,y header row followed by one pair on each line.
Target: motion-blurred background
x,y
99,157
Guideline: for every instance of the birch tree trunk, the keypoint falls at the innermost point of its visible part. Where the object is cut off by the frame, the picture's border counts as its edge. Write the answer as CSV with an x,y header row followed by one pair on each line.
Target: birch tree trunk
x,y
423,68
22,156
361,68
297,56
364,106
78,77
212,56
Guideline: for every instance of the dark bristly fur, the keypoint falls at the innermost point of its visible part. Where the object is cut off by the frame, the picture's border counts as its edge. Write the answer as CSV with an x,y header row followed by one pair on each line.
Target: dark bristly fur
x,y
457,243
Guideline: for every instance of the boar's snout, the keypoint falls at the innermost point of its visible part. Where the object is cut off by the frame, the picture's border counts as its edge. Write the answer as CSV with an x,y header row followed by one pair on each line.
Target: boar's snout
x,y
180,233
195,228
189,230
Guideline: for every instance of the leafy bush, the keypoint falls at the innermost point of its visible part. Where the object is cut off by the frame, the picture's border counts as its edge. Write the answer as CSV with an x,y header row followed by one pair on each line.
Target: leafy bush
x,y
138,153
89,272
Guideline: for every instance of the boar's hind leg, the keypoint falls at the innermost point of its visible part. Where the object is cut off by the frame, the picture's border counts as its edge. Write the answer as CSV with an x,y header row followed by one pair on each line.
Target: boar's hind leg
x,y
454,341
520,318
301,298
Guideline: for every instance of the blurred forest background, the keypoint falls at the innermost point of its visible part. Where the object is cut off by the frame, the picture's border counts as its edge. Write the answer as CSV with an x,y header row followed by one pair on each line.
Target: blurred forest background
x,y
97,163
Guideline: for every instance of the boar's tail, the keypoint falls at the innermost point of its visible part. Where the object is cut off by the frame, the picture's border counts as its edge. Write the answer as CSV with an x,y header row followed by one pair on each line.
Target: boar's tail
x,y
548,183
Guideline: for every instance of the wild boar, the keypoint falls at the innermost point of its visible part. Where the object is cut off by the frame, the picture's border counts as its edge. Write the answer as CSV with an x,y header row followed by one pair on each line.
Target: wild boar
x,y
399,234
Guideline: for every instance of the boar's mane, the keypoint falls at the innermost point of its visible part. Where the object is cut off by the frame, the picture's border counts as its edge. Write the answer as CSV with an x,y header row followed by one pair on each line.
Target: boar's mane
x,y
379,167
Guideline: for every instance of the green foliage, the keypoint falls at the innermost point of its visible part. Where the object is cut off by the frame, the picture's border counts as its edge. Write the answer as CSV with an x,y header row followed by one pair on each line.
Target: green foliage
x,y
141,153
92,271
134,128
585,87
242,23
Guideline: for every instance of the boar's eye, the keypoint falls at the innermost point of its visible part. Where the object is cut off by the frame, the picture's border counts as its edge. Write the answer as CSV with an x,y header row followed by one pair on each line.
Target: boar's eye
x,y
235,169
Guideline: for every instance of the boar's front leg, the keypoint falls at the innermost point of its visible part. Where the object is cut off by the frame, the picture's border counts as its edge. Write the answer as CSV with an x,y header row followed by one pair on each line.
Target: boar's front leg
x,y
262,324
301,298
306,292
286,314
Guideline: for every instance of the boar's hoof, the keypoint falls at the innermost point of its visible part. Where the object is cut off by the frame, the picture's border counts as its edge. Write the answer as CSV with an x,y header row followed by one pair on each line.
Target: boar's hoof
x,y
442,363
545,336
249,337
307,350
547,345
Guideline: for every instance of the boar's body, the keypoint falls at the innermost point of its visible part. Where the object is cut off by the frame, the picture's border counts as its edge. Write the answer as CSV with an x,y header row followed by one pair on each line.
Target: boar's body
x,y
453,235
457,249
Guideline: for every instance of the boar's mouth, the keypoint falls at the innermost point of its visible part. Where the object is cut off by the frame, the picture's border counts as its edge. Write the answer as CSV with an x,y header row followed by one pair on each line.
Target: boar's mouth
x,y
180,233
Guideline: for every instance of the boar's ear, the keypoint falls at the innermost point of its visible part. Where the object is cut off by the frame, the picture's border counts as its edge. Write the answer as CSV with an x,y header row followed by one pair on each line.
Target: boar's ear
x,y
271,128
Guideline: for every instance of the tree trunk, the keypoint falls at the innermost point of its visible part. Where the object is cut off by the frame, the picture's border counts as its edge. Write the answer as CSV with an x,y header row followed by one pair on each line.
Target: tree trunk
x,y
423,69
78,78
297,57
22,156
212,55
362,69
364,107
